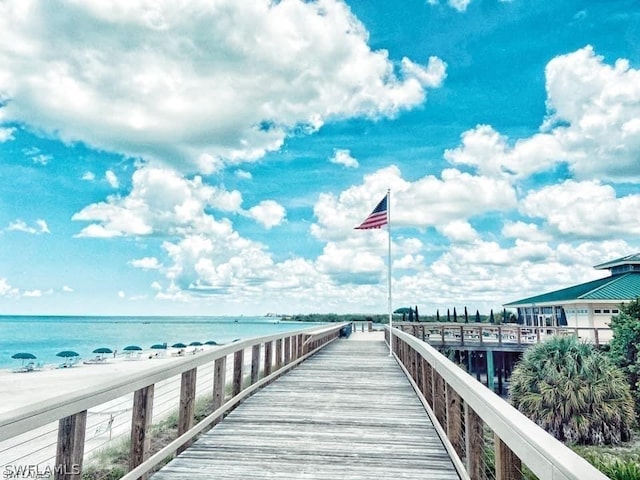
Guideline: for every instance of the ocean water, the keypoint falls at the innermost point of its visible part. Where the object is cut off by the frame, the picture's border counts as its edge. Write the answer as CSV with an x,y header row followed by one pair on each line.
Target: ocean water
x,y
45,336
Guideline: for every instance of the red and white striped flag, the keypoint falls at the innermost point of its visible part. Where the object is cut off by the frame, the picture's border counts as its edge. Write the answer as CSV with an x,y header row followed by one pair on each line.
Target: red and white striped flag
x,y
377,218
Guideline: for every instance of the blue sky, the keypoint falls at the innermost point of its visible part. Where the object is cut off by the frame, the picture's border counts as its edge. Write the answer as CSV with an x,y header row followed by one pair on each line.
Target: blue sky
x,y
213,158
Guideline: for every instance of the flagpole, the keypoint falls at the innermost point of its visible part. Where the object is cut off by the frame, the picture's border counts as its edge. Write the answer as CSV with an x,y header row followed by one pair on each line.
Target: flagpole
x,y
389,271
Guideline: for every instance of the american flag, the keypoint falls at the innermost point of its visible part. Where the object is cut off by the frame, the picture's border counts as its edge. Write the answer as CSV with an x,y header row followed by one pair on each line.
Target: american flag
x,y
377,218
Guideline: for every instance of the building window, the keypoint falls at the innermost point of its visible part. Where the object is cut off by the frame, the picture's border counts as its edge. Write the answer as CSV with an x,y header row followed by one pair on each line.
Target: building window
x,y
615,310
606,310
597,310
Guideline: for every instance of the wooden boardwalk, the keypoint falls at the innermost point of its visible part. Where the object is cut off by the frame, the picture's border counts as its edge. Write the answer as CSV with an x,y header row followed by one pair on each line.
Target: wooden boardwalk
x,y
346,413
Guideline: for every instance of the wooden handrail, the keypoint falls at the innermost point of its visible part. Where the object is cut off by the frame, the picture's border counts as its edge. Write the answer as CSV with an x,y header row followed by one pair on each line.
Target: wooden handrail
x,y
516,435
70,409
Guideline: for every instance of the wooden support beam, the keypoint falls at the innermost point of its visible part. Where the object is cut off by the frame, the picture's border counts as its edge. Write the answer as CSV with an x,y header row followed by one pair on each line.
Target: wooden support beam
x,y
187,403
70,449
287,350
508,465
140,424
278,354
300,344
238,360
474,443
454,419
255,363
219,384
268,358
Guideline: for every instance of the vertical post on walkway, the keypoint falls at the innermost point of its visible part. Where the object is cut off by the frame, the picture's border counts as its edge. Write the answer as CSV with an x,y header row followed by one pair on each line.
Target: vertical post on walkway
x,y
278,354
70,449
255,363
140,424
490,370
238,360
508,465
187,404
268,358
219,384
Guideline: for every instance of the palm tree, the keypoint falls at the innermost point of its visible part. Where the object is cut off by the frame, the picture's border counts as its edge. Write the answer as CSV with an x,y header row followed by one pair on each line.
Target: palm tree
x,y
574,392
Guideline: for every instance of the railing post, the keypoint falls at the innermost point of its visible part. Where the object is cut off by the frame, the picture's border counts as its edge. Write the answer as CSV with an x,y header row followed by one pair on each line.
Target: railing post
x,y
508,465
70,449
595,337
300,343
187,404
219,384
268,358
519,339
439,400
287,350
238,360
461,335
255,363
454,422
474,442
140,424
278,354
499,335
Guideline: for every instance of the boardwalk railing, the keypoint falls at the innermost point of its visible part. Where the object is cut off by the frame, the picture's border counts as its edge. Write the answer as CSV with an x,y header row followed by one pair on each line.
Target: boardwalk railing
x,y
485,334
272,355
468,415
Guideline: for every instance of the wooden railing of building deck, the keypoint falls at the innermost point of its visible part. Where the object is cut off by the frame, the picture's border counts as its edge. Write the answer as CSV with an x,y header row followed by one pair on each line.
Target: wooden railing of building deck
x,y
282,351
462,409
449,334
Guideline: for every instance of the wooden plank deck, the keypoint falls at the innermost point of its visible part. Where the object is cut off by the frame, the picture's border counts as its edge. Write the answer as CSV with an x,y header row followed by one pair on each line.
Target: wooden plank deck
x,y
346,413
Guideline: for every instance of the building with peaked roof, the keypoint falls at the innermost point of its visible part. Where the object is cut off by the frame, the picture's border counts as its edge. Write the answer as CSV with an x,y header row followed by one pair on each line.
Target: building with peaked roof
x,y
590,304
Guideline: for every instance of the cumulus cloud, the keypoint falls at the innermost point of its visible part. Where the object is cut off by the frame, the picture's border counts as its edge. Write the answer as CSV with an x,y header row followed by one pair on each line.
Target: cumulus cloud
x,y
6,290
592,126
268,213
146,263
111,179
428,201
6,134
258,69
344,158
88,176
21,226
67,289
584,209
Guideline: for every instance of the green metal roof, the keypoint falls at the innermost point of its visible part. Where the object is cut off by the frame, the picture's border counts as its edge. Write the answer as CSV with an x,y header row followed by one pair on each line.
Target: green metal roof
x,y
615,287
633,259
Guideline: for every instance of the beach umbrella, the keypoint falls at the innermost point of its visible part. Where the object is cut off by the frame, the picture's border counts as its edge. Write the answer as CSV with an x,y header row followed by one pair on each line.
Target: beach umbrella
x,y
23,356
159,346
178,345
103,350
132,348
67,354
195,344
211,342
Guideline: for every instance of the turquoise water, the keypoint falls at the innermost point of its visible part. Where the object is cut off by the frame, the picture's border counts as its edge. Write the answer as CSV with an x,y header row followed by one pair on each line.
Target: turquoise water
x,y
45,336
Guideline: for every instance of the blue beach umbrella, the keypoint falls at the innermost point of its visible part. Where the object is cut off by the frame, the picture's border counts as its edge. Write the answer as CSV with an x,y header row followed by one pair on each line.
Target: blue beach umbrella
x,y
195,344
23,356
178,345
103,350
210,342
159,346
132,348
67,354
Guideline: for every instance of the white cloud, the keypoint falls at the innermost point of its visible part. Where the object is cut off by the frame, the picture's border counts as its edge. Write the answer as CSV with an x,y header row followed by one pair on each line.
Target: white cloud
x,y
111,179
6,290
459,231
121,294
243,174
67,289
343,157
146,263
88,176
21,226
268,213
304,63
428,201
6,134
593,126
459,5
584,209
32,293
